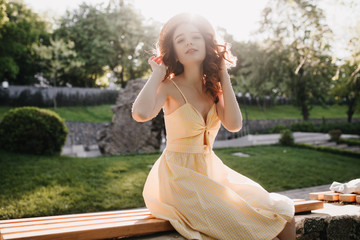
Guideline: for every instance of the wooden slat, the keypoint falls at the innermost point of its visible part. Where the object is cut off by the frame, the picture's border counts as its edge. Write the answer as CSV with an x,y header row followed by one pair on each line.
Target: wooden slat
x,y
308,206
331,197
69,225
75,220
66,216
99,231
318,195
347,198
100,225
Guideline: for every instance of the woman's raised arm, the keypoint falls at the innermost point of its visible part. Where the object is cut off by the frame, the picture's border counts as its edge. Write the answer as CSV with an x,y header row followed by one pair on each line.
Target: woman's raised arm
x,y
152,96
228,107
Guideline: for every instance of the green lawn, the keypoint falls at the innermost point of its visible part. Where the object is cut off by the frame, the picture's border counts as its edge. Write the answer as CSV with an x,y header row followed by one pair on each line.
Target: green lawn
x,y
103,113
291,112
40,185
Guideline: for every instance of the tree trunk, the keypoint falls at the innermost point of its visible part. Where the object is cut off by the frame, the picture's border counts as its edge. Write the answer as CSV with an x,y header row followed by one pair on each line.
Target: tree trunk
x,y
55,92
122,78
350,111
305,112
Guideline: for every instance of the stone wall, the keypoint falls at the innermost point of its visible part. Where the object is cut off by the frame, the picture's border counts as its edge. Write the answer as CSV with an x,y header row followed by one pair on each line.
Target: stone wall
x,y
84,133
343,227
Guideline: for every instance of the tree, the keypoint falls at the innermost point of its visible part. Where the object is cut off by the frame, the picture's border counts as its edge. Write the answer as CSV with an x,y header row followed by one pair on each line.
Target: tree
x,y
88,28
347,77
20,29
347,86
131,41
59,57
3,16
260,72
297,28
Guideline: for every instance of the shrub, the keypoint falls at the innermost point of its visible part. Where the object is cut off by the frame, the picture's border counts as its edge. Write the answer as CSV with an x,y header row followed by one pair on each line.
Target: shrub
x,y
32,130
350,141
286,138
345,127
304,126
341,151
278,128
335,135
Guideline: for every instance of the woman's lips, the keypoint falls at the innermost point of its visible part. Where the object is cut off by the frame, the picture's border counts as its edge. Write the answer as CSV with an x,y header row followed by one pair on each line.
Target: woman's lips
x,y
190,50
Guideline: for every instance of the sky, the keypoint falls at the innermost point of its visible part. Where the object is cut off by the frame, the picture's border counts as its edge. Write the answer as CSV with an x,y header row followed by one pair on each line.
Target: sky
x,y
239,17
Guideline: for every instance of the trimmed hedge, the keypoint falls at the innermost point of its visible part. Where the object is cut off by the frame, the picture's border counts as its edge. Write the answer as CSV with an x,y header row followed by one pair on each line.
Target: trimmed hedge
x,y
37,99
306,126
329,149
350,141
32,130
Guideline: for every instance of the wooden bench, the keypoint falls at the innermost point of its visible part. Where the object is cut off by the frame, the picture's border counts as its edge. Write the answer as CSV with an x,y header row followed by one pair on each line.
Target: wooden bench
x,y
332,196
100,225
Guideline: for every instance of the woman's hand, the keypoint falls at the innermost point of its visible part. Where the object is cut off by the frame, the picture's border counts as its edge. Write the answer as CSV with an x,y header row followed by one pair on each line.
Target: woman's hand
x,y
157,66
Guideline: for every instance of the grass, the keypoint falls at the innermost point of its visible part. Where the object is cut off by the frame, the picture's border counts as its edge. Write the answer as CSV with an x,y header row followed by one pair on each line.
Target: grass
x,y
103,113
291,112
42,186
100,113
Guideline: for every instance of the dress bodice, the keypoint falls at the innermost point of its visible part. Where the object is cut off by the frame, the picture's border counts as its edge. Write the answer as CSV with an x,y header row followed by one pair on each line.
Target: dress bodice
x,y
188,131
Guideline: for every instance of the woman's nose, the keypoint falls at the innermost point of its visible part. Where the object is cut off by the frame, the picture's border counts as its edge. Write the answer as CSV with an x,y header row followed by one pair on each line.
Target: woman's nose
x,y
188,43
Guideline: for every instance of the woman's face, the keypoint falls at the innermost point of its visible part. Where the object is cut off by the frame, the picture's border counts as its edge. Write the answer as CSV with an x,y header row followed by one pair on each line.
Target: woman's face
x,y
189,44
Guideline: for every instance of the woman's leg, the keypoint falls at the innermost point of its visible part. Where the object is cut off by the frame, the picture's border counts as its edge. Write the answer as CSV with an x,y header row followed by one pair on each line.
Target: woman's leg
x,y
289,231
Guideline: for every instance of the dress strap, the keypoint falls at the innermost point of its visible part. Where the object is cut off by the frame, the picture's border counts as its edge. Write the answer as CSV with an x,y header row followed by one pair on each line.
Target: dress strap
x,y
179,90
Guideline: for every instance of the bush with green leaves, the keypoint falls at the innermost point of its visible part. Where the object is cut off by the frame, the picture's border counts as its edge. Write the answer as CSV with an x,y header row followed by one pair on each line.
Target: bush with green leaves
x,y
278,128
304,126
335,135
286,138
32,130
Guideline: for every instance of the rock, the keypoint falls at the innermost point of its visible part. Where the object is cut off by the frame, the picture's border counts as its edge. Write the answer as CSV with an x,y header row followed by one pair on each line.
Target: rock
x,y
343,228
124,135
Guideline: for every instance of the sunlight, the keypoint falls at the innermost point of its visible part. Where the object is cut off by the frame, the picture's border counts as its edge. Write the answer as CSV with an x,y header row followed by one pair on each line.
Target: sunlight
x,y
238,17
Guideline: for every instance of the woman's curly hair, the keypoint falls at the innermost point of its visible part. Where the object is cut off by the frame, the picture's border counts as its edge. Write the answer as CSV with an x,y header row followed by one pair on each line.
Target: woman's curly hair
x,y
215,52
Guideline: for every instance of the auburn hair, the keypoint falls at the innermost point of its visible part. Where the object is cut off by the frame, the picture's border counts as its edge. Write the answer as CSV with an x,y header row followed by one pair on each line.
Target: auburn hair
x,y
215,51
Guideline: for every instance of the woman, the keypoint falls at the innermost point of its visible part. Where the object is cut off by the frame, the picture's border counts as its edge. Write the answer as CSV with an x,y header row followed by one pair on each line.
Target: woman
x,y
189,185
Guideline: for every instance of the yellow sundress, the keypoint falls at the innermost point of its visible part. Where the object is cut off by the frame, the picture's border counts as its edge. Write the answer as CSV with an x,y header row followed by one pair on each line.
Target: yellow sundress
x,y
199,195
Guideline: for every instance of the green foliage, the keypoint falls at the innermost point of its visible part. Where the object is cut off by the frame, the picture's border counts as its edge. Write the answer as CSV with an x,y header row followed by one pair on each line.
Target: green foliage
x,y
304,126
32,130
335,135
27,98
57,58
3,15
115,36
88,99
344,127
347,85
286,138
43,186
298,43
350,141
340,151
19,30
278,128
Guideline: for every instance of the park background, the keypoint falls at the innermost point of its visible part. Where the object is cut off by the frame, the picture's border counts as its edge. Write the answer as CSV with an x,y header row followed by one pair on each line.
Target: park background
x,y
296,65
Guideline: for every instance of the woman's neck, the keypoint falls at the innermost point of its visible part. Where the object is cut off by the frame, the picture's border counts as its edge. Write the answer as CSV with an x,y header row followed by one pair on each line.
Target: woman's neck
x,y
193,75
